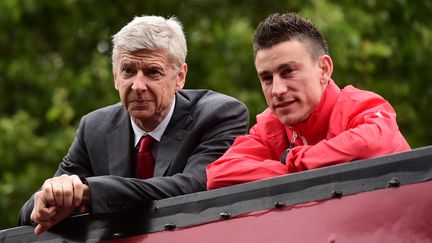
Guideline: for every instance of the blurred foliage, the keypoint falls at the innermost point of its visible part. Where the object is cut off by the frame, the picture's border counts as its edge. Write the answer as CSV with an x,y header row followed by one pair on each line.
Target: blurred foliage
x,y
55,66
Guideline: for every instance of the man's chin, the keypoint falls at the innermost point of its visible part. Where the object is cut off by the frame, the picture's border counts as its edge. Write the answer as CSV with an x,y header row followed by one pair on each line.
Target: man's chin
x,y
141,114
289,120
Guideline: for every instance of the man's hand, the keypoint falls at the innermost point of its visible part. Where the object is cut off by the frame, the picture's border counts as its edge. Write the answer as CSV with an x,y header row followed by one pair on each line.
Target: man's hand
x,y
57,199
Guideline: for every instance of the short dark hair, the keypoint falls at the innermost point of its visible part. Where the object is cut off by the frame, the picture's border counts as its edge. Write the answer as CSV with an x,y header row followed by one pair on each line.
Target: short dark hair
x,y
278,28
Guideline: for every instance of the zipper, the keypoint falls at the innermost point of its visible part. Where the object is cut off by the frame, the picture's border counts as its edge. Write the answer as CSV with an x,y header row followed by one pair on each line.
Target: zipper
x,y
294,137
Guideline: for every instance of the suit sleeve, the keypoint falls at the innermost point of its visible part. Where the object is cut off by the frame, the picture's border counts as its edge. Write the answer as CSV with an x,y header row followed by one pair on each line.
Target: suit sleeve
x,y
218,128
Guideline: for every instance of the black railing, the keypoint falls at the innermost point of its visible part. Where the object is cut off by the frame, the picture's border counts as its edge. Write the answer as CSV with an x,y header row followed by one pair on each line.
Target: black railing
x,y
184,211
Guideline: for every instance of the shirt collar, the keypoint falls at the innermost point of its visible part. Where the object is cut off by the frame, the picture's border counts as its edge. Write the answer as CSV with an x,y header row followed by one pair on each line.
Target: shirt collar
x,y
158,131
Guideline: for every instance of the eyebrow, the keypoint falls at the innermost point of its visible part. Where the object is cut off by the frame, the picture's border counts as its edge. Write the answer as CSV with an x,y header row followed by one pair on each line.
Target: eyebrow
x,y
125,63
263,73
290,64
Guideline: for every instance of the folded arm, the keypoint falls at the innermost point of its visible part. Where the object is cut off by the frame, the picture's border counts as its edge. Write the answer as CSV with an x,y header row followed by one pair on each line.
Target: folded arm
x,y
364,131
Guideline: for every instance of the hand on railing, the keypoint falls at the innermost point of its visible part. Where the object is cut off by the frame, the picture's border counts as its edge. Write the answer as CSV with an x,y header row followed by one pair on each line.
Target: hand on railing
x,y
57,199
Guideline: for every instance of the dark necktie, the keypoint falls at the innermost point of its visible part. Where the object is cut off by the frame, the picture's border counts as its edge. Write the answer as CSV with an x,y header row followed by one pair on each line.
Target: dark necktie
x,y
145,161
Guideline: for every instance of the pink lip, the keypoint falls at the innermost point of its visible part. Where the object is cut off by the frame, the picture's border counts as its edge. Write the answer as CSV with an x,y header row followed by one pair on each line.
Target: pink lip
x,y
283,104
140,101
140,104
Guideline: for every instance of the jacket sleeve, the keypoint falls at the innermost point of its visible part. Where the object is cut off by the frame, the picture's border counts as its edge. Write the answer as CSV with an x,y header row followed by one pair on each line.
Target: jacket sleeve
x,y
248,159
362,126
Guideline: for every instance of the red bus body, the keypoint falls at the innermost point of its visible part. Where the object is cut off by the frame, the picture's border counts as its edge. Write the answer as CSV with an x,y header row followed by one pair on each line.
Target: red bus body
x,y
384,199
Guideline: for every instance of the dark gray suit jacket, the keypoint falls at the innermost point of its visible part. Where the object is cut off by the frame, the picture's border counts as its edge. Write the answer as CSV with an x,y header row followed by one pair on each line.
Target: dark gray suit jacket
x,y
203,126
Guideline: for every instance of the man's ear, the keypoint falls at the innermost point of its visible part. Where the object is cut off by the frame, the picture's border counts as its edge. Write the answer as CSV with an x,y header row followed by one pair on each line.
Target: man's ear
x,y
326,65
181,77
115,78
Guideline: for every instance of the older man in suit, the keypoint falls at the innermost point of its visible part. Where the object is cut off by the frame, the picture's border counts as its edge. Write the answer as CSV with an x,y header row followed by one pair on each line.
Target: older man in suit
x,y
103,172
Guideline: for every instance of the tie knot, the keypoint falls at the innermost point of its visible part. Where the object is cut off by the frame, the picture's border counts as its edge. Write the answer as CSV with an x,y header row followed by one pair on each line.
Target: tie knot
x,y
145,144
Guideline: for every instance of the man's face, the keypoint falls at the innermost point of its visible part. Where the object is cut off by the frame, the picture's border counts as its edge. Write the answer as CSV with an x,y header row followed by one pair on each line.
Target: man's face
x,y
292,82
147,82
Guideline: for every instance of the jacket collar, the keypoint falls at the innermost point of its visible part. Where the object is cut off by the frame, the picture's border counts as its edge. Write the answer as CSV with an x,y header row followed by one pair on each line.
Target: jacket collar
x,y
316,127
119,144
120,147
313,130
167,149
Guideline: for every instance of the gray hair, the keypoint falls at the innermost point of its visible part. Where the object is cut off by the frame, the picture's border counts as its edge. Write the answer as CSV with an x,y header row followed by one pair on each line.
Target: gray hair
x,y
152,32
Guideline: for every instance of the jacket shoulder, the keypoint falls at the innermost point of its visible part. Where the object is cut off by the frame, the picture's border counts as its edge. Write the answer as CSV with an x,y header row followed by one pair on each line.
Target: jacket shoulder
x,y
205,102
354,105
354,101
206,96
351,93
105,116
104,112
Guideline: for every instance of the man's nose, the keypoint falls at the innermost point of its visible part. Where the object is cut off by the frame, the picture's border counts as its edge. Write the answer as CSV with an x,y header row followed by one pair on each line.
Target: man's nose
x,y
279,87
140,82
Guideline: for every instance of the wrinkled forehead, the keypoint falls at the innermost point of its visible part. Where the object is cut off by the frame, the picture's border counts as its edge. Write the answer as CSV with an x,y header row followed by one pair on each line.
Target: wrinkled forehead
x,y
157,56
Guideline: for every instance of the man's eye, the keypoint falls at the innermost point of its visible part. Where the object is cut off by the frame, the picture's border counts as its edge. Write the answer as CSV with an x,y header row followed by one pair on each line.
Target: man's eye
x,y
286,72
267,79
154,73
127,71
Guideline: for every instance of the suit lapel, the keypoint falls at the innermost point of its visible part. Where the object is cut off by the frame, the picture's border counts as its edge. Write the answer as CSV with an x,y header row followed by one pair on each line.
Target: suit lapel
x,y
119,146
170,144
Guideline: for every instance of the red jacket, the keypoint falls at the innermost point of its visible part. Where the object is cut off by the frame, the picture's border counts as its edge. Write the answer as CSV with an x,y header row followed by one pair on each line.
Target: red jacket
x,y
346,125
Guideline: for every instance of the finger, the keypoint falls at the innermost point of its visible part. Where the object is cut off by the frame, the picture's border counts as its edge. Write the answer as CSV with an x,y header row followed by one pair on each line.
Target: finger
x,y
78,187
44,223
41,211
40,228
43,217
44,214
37,204
68,192
48,195
58,215
57,190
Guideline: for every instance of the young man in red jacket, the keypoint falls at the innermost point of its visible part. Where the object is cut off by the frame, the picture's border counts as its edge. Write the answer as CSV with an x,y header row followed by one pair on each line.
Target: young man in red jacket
x,y
310,122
